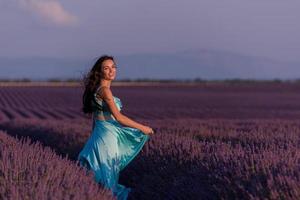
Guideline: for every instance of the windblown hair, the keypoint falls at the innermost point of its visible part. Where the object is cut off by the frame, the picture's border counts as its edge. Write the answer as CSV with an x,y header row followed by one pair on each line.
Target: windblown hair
x,y
91,82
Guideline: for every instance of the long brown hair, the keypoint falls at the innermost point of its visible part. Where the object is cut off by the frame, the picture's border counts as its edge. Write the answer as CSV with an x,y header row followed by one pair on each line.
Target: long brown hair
x,y
91,82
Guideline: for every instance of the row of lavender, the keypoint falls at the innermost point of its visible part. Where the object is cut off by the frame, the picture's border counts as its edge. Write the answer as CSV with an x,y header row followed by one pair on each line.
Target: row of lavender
x,y
38,102
185,159
30,171
159,102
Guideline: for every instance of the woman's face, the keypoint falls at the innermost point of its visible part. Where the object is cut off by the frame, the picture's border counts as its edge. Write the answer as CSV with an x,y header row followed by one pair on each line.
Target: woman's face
x,y
108,69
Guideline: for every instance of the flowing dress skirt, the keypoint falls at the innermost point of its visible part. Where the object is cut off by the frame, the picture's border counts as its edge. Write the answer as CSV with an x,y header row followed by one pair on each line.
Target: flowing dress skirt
x,y
108,150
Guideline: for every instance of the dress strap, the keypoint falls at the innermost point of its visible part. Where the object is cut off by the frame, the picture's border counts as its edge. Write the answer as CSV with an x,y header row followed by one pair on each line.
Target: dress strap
x,y
98,88
97,91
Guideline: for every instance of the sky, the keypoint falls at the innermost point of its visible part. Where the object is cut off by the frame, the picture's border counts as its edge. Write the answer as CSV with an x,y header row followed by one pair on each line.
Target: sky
x,y
85,29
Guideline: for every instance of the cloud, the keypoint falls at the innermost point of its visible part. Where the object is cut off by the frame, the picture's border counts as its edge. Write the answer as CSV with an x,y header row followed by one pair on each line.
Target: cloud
x,y
50,10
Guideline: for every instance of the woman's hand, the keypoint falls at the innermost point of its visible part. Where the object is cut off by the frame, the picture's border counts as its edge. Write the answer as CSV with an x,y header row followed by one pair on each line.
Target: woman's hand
x,y
147,130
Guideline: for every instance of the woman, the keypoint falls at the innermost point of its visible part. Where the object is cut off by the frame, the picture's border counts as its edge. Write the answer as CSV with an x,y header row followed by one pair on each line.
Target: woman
x,y
115,139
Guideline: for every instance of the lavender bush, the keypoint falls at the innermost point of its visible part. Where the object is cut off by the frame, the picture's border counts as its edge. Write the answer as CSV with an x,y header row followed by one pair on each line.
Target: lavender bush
x,y
30,171
200,159
64,137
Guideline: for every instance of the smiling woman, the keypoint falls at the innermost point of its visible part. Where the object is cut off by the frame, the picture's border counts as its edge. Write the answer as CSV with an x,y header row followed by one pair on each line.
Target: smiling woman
x,y
115,139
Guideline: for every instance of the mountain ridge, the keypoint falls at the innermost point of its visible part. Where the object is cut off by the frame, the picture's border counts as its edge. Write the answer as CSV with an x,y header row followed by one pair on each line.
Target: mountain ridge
x,y
185,64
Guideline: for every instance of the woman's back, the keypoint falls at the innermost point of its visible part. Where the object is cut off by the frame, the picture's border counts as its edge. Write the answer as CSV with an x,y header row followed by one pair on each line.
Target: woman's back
x,y
100,107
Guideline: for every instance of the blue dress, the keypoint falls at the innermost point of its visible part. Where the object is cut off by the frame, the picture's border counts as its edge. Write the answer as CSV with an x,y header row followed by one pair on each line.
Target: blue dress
x,y
110,148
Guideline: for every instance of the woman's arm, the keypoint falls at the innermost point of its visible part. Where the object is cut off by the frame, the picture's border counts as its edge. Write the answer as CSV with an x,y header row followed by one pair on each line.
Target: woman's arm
x,y
125,121
122,119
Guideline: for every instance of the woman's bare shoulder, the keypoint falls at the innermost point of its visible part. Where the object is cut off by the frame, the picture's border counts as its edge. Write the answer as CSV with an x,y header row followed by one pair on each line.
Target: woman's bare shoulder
x,y
104,92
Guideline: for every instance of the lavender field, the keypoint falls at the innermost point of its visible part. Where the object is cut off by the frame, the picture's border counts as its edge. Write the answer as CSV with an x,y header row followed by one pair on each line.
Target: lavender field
x,y
212,141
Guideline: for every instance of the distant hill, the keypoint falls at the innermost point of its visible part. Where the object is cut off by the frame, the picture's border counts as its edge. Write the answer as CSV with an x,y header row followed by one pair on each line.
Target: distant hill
x,y
188,64
207,64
